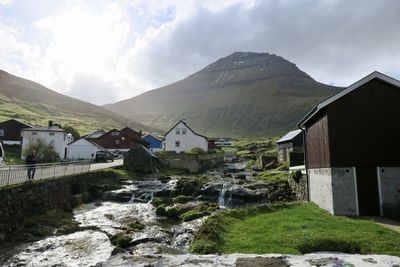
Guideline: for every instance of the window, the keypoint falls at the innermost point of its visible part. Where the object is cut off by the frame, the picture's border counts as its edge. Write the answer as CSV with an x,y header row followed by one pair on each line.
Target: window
x,y
177,143
177,131
34,133
183,130
1,132
115,133
51,134
117,142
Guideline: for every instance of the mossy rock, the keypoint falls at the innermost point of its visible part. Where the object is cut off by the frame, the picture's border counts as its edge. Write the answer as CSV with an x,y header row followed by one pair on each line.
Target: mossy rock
x,y
192,215
181,199
121,240
136,226
160,211
156,202
190,186
175,212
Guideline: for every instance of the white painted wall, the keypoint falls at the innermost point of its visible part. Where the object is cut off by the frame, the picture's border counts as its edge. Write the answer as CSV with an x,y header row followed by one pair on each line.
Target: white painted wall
x,y
82,149
60,140
187,141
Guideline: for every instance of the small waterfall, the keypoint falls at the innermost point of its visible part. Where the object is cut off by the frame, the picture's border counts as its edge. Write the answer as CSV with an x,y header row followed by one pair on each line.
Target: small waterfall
x,y
151,197
225,196
132,200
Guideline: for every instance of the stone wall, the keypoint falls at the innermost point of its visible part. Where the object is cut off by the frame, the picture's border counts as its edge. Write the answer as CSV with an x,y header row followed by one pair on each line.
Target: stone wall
x,y
192,163
19,202
299,187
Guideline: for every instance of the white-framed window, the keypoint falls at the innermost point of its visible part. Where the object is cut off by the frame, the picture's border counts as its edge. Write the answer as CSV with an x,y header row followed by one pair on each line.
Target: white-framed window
x,y
51,134
184,131
117,142
177,143
115,133
1,132
177,130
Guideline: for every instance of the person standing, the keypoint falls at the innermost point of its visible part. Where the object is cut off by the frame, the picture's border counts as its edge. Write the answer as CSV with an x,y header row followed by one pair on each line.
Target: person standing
x,y
31,162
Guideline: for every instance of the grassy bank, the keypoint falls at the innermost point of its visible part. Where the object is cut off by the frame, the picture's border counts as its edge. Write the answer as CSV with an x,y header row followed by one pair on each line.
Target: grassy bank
x,y
294,228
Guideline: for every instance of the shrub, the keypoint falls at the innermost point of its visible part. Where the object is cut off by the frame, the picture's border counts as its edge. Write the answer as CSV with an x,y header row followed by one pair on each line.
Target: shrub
x,y
156,201
45,152
296,176
160,210
192,215
181,199
121,240
196,151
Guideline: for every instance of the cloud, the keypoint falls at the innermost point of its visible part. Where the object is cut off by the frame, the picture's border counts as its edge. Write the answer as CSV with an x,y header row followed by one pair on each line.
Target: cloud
x,y
114,50
5,3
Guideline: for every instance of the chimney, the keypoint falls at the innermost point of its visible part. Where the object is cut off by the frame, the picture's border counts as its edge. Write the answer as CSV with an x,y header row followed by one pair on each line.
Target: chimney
x,y
50,123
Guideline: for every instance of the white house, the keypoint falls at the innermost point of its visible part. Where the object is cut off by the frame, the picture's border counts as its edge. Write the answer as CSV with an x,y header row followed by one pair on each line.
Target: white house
x,y
182,138
49,133
83,148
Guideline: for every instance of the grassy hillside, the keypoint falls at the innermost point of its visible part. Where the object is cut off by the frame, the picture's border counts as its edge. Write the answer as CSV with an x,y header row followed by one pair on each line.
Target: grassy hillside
x,y
242,95
33,103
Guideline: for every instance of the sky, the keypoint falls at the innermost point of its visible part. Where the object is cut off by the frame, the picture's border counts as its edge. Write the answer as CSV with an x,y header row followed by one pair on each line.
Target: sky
x,y
103,51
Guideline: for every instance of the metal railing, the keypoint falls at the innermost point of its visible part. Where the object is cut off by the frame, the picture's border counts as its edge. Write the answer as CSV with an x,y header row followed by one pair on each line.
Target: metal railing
x,y
19,173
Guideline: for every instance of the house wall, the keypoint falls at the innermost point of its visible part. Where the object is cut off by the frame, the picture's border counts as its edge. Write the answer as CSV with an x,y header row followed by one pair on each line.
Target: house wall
x,y
187,141
364,126
317,143
334,189
60,140
155,144
389,186
114,142
12,132
82,149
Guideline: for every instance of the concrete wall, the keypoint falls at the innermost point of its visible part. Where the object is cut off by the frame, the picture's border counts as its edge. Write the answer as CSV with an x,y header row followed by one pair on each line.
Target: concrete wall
x,y
344,191
320,191
192,163
334,189
187,141
389,185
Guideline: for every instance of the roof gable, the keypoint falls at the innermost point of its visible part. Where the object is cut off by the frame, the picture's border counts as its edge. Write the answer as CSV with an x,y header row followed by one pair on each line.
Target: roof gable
x,y
184,123
351,88
153,136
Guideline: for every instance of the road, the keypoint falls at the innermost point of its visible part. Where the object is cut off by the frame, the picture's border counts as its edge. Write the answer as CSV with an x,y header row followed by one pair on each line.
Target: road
x,y
105,165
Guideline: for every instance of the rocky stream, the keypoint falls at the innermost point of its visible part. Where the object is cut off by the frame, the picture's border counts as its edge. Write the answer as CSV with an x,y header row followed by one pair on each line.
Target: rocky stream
x,y
156,240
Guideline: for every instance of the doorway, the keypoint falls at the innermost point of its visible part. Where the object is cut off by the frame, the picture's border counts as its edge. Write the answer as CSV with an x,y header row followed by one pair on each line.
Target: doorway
x,y
368,191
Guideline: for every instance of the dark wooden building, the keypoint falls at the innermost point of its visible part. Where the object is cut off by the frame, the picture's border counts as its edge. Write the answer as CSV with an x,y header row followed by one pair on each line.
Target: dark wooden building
x,y
140,159
115,141
10,131
352,144
292,142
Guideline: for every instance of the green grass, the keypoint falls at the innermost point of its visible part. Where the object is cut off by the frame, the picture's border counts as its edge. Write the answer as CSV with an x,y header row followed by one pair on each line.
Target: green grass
x,y
294,228
267,175
13,155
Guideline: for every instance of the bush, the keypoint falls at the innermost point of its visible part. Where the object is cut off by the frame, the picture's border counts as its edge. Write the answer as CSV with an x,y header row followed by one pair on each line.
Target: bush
x,y
296,176
181,199
156,202
121,240
160,211
196,151
45,152
192,215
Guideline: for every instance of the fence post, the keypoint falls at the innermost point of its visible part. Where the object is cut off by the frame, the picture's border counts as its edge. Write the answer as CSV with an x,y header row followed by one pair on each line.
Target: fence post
x,y
9,173
54,172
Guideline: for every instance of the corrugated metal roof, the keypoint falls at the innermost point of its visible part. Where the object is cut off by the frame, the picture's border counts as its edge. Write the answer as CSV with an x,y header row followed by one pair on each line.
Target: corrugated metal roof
x,y
289,136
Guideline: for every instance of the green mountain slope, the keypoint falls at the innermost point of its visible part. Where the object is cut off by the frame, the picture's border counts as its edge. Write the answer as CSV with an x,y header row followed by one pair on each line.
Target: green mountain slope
x,y
33,103
242,95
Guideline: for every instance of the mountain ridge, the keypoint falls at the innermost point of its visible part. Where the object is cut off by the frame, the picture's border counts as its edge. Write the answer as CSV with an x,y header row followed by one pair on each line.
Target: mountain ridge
x,y
34,103
244,94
